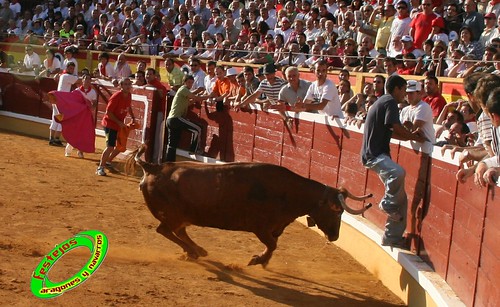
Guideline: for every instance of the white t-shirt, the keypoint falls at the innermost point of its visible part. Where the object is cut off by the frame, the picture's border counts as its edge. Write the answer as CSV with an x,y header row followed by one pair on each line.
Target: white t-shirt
x,y
421,111
90,95
199,80
30,60
55,64
327,91
209,83
65,82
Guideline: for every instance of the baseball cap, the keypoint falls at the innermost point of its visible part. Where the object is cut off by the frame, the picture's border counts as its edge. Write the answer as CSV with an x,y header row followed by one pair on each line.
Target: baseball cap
x,y
285,19
407,38
269,69
438,22
490,15
413,86
209,42
453,36
231,71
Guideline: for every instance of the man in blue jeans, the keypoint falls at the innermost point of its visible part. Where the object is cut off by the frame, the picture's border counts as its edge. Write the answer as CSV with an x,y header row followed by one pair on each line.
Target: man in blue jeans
x,y
382,123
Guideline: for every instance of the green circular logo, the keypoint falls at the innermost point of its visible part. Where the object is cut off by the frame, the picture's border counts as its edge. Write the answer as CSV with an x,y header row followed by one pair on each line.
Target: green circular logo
x,y
94,240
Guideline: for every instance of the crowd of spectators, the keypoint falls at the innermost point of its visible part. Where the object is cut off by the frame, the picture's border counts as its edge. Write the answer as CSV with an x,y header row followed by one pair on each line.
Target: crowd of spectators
x,y
441,38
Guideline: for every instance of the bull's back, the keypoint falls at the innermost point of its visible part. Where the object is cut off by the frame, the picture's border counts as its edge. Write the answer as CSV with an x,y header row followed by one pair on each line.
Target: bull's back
x,y
235,196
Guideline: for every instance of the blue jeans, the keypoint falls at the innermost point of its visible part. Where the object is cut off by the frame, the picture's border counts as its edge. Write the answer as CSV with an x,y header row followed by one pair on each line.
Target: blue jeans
x,y
394,200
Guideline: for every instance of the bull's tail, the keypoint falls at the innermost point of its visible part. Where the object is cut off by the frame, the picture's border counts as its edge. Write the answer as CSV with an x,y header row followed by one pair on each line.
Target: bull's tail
x,y
345,193
135,158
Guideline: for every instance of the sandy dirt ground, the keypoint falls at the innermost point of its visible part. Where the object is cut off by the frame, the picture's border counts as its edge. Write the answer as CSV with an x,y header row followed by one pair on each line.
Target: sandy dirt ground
x,y
47,198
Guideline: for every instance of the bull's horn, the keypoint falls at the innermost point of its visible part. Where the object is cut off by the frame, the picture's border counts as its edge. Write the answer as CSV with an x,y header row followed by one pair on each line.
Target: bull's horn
x,y
349,195
139,153
349,209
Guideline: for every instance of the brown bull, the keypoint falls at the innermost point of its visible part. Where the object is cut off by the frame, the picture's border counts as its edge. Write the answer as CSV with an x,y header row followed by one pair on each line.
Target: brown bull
x,y
253,197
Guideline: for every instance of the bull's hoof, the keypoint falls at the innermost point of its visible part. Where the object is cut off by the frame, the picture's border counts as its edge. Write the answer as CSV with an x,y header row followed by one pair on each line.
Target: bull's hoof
x,y
192,256
258,260
201,252
255,260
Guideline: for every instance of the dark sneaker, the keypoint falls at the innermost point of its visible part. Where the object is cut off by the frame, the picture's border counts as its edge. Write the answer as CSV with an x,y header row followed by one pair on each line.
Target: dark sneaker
x,y
57,142
51,143
403,243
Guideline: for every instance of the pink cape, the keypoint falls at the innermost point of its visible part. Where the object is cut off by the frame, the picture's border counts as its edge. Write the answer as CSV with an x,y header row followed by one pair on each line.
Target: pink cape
x,y
76,119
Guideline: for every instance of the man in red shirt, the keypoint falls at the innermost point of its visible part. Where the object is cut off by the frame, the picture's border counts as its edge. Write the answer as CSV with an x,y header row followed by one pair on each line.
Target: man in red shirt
x,y
153,81
119,104
433,98
420,26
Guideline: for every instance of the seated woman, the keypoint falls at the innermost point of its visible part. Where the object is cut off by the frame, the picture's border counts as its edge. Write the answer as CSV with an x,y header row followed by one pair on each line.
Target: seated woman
x,y
468,45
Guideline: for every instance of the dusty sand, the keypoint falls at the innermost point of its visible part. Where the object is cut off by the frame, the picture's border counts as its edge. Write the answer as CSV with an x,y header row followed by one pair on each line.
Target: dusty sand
x,y
46,198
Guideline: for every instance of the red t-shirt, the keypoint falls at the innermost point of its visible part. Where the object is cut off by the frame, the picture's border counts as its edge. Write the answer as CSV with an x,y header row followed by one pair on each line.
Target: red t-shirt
x,y
422,27
118,104
406,71
437,103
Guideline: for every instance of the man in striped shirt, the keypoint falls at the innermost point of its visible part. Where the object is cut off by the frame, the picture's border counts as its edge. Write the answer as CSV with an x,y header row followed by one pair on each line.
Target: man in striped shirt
x,y
270,87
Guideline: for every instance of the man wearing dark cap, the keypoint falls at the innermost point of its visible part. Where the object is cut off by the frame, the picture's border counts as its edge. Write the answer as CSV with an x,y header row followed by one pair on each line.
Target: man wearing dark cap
x,y
270,86
490,31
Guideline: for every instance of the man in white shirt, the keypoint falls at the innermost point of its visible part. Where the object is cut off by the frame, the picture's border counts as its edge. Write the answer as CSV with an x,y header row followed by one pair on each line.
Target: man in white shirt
x,y
322,95
296,58
199,76
31,59
285,29
417,117
210,78
209,52
267,18
216,27
185,51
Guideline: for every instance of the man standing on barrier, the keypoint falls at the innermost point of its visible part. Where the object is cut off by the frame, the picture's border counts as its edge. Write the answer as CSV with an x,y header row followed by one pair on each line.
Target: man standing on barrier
x,y
177,121
382,123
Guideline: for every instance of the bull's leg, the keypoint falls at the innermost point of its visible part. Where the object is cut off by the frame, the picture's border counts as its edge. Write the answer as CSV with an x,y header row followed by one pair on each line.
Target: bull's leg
x,y
167,233
182,234
271,242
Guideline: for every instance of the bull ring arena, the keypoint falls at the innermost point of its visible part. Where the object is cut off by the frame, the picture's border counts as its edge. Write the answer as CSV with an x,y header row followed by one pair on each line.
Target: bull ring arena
x,y
48,198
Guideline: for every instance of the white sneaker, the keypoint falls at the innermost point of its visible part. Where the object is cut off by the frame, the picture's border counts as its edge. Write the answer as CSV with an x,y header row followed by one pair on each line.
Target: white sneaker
x,y
100,171
68,150
80,154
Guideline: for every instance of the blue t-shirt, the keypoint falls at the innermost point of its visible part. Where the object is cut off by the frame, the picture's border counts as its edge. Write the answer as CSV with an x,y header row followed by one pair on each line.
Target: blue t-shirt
x,y
378,128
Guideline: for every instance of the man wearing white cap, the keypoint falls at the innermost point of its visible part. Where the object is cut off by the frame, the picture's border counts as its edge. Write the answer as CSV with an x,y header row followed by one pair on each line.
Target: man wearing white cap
x,y
209,53
408,47
285,29
417,117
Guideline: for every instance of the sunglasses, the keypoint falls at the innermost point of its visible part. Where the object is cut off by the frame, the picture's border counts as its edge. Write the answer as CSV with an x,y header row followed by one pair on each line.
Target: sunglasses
x,y
401,7
426,4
